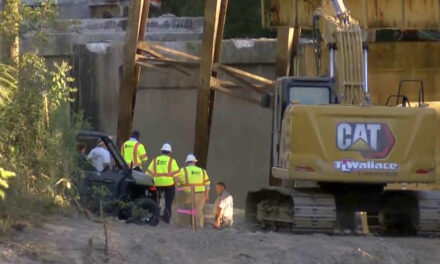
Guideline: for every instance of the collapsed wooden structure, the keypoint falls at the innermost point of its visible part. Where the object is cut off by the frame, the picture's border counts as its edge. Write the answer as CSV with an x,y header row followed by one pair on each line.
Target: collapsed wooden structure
x,y
140,53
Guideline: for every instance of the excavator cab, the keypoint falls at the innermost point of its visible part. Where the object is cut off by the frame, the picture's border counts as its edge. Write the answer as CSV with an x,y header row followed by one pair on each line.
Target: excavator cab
x,y
298,90
306,91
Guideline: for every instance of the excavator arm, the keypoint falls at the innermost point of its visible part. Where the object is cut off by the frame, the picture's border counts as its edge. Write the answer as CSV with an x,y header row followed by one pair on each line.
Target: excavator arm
x,y
342,34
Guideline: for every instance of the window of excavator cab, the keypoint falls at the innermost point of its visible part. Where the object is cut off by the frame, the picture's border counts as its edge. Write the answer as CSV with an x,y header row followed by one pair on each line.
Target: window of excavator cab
x,y
310,95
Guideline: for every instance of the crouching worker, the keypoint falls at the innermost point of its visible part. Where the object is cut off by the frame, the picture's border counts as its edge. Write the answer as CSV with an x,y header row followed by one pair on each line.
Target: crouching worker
x,y
197,178
223,207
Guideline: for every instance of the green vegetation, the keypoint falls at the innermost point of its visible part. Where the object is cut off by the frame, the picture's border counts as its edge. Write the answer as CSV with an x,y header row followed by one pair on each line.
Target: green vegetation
x,y
243,18
4,176
37,128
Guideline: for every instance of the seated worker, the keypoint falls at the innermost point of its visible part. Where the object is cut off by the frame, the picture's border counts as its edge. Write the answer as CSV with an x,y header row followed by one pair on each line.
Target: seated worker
x,y
223,207
100,157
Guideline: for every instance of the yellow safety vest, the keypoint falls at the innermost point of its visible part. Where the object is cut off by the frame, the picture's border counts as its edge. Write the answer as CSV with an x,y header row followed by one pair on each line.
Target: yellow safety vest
x,y
164,169
133,152
194,176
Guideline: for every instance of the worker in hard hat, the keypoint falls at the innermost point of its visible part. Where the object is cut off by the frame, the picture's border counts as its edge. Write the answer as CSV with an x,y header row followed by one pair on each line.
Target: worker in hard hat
x,y
165,172
223,207
197,178
133,152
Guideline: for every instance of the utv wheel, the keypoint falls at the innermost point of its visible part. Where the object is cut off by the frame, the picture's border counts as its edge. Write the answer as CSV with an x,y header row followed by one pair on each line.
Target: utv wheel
x,y
147,212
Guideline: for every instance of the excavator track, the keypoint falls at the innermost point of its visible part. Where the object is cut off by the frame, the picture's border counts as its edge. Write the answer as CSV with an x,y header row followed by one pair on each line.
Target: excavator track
x,y
313,212
428,213
301,211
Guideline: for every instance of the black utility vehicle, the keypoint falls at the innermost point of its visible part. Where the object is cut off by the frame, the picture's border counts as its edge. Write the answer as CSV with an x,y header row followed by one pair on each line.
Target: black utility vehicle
x,y
129,194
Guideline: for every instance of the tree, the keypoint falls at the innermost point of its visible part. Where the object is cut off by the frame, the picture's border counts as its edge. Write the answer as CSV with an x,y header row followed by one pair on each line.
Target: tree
x,y
9,21
17,19
37,131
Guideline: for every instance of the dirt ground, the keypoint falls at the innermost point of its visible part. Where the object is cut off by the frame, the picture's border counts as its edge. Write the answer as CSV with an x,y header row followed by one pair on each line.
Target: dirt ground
x,y
79,240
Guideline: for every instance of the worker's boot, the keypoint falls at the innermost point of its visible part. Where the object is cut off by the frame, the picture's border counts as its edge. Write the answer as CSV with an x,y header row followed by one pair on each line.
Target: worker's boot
x,y
166,218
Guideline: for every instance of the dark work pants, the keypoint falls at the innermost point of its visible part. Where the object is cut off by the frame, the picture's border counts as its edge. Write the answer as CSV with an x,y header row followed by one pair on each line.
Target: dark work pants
x,y
168,192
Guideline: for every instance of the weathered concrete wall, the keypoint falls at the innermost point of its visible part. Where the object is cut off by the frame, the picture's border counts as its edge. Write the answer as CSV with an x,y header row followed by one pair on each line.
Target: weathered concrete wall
x,y
96,67
239,153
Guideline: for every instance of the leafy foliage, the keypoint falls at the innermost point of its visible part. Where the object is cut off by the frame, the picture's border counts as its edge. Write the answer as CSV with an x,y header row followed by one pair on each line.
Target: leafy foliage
x,y
4,176
10,18
33,125
8,83
29,18
37,128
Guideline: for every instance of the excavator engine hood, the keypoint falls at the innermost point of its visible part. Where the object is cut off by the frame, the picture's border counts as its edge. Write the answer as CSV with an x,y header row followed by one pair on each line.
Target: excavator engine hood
x,y
336,143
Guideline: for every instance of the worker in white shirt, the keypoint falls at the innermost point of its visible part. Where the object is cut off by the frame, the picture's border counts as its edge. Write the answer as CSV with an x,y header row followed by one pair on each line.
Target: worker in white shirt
x,y
223,207
100,157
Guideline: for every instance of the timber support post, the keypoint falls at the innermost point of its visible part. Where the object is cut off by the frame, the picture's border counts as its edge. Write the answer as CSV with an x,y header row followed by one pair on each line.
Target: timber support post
x,y
215,15
137,20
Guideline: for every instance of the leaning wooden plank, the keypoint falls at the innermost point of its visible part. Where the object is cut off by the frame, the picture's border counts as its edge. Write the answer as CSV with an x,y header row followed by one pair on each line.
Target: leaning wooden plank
x,y
210,26
283,51
152,66
218,39
142,45
174,52
141,35
246,83
175,62
233,94
229,69
126,89
230,84
220,30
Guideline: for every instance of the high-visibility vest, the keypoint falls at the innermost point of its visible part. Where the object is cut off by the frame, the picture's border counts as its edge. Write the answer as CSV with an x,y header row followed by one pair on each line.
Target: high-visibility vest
x,y
194,176
133,153
163,169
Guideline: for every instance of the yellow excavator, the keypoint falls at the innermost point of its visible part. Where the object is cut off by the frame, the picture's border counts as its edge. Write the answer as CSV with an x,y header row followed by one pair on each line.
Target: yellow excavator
x,y
335,153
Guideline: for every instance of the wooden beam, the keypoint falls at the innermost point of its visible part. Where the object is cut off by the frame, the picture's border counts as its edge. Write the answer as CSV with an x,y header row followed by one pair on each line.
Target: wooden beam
x,y
128,71
217,53
219,88
144,46
147,47
246,83
174,52
152,66
232,70
202,131
283,51
174,62
141,36
295,49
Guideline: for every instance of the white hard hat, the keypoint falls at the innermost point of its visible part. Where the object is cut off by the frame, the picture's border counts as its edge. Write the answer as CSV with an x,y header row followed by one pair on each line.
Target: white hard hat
x,y
191,158
166,147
